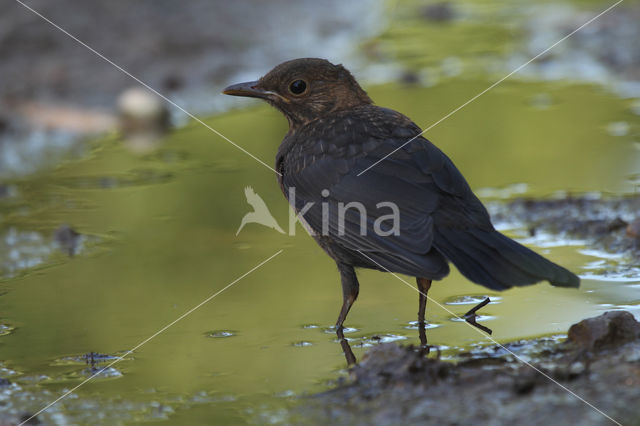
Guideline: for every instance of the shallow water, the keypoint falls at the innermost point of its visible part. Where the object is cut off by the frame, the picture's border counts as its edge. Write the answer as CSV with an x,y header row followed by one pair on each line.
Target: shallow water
x,y
159,237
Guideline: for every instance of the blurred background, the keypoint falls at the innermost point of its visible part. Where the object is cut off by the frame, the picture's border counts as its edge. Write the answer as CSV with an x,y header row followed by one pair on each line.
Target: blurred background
x,y
118,212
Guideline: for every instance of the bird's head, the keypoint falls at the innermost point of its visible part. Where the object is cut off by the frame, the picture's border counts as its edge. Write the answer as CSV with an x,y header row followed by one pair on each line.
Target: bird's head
x,y
305,89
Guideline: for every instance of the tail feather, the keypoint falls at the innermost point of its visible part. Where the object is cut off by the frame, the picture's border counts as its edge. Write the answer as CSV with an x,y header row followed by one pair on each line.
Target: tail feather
x,y
497,262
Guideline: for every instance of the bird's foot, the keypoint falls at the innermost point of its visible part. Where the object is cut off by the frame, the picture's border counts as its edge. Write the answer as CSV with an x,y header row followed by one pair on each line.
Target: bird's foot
x,y
425,348
471,316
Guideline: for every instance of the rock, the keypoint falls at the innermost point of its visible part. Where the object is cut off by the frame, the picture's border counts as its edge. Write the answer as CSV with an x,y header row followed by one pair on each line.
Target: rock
x,y
4,124
29,419
67,239
402,385
610,224
144,118
439,12
633,229
609,329
389,361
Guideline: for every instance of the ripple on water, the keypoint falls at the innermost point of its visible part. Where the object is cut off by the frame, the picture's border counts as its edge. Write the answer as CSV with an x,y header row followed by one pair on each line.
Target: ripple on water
x,y
346,330
88,358
310,326
374,339
221,333
621,274
479,318
302,344
101,372
93,360
471,299
413,325
6,329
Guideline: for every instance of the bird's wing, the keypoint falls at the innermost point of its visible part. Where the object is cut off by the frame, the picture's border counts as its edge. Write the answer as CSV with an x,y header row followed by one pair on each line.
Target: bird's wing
x,y
440,218
415,178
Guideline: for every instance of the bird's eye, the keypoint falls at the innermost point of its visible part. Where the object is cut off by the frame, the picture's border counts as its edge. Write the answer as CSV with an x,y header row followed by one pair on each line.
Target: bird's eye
x,y
298,87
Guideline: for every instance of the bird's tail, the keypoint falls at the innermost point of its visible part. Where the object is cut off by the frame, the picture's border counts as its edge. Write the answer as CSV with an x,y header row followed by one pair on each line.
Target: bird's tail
x,y
497,262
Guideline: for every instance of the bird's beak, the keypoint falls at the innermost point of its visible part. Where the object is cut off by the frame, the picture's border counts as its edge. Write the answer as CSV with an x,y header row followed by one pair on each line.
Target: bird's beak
x,y
249,89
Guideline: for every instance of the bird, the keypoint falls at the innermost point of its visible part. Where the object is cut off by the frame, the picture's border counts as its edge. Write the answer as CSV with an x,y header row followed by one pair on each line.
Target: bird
x,y
343,150
260,213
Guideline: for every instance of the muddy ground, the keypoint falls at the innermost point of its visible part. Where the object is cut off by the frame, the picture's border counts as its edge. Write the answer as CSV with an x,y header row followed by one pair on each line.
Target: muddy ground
x,y
599,361
595,373
608,224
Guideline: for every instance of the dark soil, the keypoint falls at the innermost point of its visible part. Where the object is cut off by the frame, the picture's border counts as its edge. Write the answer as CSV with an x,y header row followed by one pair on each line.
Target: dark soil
x,y
599,362
609,224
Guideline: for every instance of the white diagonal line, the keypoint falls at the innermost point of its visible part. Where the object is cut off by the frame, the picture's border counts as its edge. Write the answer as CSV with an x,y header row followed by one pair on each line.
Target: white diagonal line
x,y
496,342
130,351
147,86
493,85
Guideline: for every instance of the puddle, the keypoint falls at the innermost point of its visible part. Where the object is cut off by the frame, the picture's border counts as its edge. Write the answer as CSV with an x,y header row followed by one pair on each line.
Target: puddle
x,y
159,237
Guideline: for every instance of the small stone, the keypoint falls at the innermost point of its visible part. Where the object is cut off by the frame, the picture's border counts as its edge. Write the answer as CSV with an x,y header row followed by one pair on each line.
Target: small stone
x,y
4,124
4,190
609,329
144,119
67,239
173,82
439,12
633,229
616,224
410,77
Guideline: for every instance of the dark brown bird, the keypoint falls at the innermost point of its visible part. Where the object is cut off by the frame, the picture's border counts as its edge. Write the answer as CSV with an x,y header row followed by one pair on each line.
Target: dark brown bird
x,y
336,133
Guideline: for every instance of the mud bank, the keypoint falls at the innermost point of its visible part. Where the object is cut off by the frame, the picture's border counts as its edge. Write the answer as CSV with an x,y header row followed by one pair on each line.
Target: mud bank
x,y
608,225
599,362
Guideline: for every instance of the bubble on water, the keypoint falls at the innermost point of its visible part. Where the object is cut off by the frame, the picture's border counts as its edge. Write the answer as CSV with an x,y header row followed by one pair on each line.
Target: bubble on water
x,y
504,192
618,128
631,275
541,101
452,66
544,239
302,344
101,372
310,326
345,330
413,325
242,245
479,318
220,333
6,329
471,299
383,338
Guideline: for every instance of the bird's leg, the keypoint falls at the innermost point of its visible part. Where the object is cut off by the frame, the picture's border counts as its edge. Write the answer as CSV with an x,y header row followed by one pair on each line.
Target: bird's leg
x,y
350,288
470,316
346,348
423,287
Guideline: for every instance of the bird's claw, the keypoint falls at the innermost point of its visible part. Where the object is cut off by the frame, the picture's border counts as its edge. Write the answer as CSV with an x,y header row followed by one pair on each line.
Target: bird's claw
x,y
471,316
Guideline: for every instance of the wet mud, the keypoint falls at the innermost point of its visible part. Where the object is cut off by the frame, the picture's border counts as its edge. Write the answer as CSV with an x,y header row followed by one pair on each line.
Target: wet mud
x,y
598,362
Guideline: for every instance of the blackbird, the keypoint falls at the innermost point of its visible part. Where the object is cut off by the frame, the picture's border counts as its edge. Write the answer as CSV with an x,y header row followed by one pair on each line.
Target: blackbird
x,y
411,212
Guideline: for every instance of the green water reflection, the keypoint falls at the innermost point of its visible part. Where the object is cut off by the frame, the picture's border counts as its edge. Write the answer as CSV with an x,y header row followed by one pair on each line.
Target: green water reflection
x,y
163,239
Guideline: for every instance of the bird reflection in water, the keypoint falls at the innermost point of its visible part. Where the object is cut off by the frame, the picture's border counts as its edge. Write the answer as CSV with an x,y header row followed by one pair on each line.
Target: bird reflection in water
x,y
470,317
